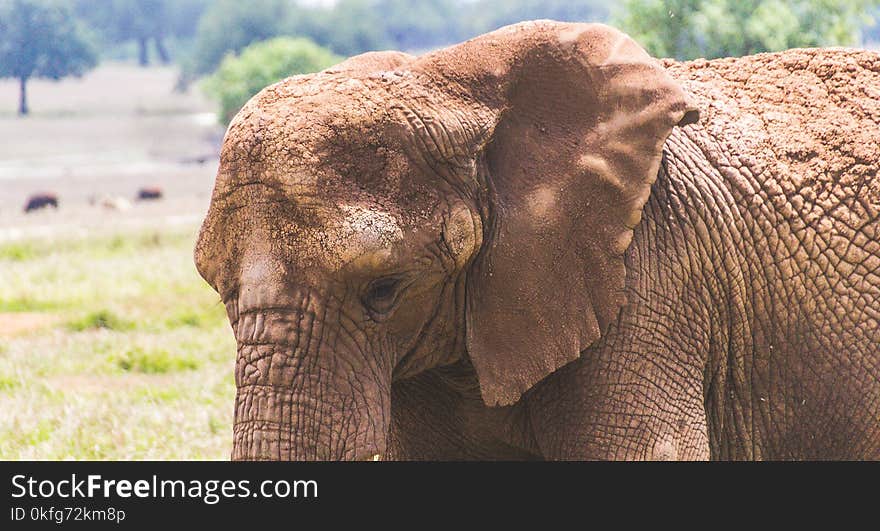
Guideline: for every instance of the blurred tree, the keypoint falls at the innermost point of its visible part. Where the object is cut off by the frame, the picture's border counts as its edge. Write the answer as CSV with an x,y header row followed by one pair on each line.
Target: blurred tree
x,y
184,15
261,64
686,29
420,24
355,26
39,38
488,15
350,27
142,21
664,27
871,33
230,25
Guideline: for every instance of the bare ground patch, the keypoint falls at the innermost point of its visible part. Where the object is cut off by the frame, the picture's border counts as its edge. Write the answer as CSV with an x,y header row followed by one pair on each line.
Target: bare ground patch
x,y
19,323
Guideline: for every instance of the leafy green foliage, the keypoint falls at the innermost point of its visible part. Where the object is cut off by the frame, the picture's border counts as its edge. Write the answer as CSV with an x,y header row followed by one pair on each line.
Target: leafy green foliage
x,y
240,77
686,29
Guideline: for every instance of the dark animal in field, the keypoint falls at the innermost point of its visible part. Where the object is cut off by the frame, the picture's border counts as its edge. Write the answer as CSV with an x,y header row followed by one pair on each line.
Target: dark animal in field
x,y
149,194
39,201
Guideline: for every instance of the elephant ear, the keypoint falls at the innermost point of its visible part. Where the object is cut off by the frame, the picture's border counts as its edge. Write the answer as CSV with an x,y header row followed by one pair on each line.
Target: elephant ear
x,y
571,122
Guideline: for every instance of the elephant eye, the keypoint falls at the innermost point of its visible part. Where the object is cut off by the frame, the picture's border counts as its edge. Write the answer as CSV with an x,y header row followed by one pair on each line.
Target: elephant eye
x,y
382,294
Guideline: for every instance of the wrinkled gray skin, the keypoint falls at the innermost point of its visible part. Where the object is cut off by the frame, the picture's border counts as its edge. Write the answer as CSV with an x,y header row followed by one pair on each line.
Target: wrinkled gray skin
x,y
497,251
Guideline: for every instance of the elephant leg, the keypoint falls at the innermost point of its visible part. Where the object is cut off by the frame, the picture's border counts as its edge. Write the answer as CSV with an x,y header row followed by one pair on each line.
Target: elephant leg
x,y
628,399
440,415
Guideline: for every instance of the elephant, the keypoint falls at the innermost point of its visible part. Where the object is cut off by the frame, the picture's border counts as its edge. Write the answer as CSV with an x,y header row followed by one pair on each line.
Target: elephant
x,y
544,244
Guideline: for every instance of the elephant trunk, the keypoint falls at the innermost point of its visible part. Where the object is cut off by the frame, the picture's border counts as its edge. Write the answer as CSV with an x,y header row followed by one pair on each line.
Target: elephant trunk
x,y
299,400
277,424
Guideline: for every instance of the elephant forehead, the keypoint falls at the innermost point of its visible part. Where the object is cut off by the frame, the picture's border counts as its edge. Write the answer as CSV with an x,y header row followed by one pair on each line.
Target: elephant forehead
x,y
335,237
360,235
336,174
321,154
304,117
325,134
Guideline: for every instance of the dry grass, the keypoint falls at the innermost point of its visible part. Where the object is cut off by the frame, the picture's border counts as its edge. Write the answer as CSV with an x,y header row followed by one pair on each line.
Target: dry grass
x,y
116,350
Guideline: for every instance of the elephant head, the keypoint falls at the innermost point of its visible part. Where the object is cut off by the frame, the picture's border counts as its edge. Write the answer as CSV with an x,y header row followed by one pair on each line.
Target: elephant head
x,y
394,214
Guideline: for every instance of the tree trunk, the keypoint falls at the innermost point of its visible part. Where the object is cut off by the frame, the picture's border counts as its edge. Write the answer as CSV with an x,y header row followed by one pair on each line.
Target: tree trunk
x,y
143,58
162,52
22,97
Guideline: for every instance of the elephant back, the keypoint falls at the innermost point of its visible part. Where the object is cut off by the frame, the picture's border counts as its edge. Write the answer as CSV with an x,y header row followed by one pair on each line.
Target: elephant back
x,y
804,122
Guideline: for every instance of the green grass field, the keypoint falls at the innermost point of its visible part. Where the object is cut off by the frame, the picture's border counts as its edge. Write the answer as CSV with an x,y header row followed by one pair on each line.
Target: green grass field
x,y
112,347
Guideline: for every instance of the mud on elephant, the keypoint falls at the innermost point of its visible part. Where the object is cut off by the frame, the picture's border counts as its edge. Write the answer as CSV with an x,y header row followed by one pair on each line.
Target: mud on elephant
x,y
544,244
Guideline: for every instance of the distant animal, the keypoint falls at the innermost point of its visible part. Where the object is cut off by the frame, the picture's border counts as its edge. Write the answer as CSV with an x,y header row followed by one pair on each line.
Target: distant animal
x,y
41,200
114,202
149,194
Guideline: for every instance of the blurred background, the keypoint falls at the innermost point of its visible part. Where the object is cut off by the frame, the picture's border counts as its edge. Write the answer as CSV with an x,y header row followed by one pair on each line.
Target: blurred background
x,y
111,117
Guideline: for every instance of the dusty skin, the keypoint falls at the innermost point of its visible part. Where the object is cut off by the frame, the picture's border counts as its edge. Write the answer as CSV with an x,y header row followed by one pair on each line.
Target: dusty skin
x,y
544,244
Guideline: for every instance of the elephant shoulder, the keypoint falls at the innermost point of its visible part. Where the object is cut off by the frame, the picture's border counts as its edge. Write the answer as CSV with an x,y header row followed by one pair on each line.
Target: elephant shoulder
x,y
372,62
